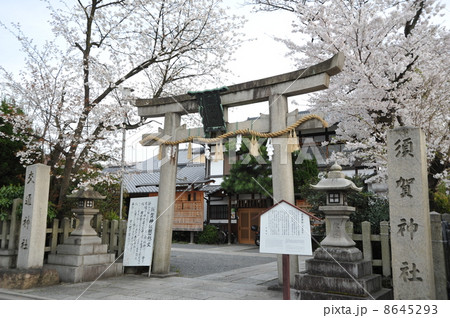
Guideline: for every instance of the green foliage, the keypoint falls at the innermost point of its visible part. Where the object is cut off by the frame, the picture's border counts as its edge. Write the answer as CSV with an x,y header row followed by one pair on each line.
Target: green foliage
x,y
7,195
440,200
305,173
110,215
11,192
109,207
369,207
11,170
209,235
52,211
248,175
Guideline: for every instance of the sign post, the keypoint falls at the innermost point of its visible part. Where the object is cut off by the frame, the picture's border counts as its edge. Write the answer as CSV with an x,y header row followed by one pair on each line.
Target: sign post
x,y
286,274
285,229
140,232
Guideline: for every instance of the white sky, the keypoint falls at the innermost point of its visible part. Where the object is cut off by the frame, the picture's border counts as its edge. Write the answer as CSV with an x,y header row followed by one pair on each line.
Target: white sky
x,y
260,58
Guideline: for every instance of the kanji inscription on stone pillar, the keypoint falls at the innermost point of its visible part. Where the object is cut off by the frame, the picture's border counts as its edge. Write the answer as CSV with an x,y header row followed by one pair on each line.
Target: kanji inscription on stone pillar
x,y
34,217
412,262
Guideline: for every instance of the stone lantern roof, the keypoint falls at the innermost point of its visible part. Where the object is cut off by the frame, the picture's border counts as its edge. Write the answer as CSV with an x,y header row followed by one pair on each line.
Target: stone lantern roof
x,y
335,181
86,193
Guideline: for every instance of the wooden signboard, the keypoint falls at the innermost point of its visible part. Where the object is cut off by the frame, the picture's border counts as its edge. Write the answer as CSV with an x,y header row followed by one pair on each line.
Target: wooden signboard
x,y
285,229
140,232
189,212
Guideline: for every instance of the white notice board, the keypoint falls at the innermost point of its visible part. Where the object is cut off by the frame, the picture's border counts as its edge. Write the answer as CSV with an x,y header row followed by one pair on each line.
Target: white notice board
x,y
285,230
140,232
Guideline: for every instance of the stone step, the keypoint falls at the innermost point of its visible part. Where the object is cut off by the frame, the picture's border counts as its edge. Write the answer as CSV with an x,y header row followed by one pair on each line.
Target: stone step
x,y
86,273
361,287
82,249
82,240
332,268
78,260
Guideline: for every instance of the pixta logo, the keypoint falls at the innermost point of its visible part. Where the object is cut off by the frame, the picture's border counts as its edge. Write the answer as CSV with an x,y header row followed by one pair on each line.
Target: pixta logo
x,y
308,151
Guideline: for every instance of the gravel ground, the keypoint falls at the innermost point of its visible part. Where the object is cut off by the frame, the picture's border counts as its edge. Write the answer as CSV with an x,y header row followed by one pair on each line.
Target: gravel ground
x,y
212,259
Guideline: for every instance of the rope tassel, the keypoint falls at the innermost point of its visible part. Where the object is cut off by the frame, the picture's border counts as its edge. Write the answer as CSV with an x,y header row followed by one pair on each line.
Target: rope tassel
x,y
219,152
189,151
293,142
270,149
207,152
160,152
254,147
238,142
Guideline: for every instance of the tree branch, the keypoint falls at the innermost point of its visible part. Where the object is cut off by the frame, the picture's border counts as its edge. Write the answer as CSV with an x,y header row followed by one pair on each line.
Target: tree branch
x,y
411,24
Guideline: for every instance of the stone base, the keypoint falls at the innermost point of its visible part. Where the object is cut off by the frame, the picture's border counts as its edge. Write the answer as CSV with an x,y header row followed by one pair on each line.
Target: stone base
x,y
359,287
86,273
339,273
28,278
84,259
80,260
338,269
8,258
342,254
82,240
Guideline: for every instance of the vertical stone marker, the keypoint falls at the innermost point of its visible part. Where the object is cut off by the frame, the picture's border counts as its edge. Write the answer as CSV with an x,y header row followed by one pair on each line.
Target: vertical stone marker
x,y
34,217
412,261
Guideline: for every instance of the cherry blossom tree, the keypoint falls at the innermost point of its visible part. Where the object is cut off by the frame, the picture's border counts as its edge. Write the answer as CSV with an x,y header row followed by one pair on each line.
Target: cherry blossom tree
x,y
395,73
71,89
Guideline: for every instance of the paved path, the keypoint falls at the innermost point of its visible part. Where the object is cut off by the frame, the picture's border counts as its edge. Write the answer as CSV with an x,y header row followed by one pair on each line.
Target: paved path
x,y
227,272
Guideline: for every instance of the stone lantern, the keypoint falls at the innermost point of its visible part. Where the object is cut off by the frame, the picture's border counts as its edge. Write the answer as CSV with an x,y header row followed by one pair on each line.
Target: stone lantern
x,y
85,210
336,211
82,257
338,270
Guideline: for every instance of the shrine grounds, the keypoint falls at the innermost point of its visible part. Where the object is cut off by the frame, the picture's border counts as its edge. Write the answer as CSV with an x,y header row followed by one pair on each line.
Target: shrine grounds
x,y
205,272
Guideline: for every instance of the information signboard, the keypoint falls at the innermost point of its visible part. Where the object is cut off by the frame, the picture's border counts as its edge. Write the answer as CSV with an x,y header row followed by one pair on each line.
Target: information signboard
x,y
140,232
285,229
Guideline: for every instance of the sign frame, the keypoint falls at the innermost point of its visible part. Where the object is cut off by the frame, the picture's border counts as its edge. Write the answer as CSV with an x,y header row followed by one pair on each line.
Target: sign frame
x,y
280,237
140,234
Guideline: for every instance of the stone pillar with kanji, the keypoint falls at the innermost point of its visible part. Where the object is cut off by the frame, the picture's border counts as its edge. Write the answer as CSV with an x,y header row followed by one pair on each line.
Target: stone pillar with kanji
x,y
411,246
34,217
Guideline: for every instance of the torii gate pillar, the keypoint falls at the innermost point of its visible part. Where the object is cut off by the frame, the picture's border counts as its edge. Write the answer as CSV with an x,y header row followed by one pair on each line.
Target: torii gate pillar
x,y
166,209
282,175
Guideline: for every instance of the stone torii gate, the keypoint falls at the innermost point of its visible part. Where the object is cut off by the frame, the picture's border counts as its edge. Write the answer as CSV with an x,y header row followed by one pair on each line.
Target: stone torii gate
x,y
275,90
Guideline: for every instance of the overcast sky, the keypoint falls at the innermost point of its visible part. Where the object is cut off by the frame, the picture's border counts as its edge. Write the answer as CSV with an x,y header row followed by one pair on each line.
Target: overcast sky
x,y
252,58
259,58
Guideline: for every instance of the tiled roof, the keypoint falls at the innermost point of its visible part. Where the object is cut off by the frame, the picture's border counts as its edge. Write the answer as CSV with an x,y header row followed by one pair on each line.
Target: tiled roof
x,y
133,182
192,172
211,188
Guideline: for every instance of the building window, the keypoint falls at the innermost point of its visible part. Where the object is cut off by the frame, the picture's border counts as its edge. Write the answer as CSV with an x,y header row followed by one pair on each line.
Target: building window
x,y
219,212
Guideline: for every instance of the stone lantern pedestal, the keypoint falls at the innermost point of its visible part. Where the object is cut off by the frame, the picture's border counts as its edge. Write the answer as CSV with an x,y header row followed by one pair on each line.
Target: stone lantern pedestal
x,y
83,257
338,270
